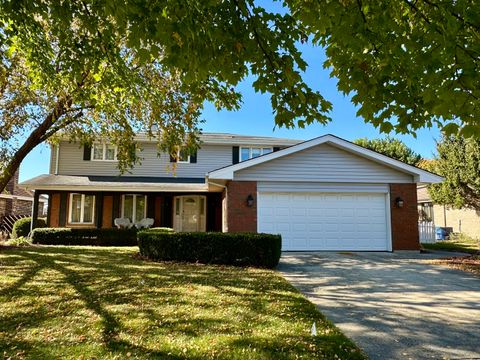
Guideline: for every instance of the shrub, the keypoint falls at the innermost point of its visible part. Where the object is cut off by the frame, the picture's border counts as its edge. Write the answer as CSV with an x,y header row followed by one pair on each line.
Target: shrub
x,y
22,226
20,241
96,237
261,250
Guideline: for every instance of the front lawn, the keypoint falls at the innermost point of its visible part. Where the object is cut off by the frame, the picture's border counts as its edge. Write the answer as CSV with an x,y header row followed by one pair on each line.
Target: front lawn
x,y
457,243
86,302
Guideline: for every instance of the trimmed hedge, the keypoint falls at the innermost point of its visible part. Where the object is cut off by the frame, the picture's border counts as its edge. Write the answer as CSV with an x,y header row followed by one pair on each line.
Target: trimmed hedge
x,y
76,236
21,227
252,249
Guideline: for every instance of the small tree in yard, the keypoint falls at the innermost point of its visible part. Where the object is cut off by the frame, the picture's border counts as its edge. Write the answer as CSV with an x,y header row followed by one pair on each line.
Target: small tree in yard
x,y
393,148
458,161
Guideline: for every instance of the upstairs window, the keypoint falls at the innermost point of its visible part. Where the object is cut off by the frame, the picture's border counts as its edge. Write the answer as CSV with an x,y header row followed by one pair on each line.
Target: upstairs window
x,y
253,152
104,152
183,156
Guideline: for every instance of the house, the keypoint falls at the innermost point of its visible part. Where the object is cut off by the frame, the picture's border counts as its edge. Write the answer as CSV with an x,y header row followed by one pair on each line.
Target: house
x,y
15,200
321,194
465,221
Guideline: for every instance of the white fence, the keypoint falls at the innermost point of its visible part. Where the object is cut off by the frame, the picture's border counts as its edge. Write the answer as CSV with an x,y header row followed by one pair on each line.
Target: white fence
x,y
426,230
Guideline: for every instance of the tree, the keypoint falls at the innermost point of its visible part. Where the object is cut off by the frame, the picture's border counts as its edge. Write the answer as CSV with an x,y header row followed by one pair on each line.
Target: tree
x,y
110,68
393,148
458,161
408,64
99,69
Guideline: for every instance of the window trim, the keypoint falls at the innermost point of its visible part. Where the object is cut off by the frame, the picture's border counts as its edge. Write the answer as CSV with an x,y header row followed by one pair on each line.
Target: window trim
x,y
82,210
104,152
134,210
262,148
182,161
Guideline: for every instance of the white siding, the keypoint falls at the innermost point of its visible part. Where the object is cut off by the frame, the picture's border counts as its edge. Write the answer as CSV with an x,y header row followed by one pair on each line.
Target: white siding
x,y
314,187
323,163
209,157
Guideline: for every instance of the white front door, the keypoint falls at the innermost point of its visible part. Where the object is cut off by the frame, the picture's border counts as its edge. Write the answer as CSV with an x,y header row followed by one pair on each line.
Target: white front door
x,y
189,213
326,221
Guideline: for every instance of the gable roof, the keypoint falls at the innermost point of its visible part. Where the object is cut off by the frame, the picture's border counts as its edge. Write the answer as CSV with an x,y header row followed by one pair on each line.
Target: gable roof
x,y
420,176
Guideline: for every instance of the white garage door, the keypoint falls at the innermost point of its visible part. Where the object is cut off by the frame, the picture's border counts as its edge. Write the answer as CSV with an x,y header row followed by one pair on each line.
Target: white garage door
x,y
325,221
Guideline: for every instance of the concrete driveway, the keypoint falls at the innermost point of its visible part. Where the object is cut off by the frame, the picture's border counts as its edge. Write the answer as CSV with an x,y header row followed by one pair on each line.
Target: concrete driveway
x,y
393,305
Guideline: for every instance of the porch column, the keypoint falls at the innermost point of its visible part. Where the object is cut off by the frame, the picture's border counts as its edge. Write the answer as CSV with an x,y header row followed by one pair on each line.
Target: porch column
x,y
99,209
33,223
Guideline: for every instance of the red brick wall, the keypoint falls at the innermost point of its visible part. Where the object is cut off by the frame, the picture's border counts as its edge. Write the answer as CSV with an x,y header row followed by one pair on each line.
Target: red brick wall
x,y
241,217
405,219
54,210
107,211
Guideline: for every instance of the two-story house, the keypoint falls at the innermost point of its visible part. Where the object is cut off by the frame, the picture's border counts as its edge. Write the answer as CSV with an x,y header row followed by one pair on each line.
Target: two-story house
x,y
321,194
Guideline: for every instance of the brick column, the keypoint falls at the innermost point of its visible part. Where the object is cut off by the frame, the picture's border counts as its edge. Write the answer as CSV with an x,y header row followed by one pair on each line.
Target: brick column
x,y
240,216
405,219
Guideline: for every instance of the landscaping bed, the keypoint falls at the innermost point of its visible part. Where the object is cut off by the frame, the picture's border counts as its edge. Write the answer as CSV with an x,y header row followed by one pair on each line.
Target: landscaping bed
x,y
459,243
104,303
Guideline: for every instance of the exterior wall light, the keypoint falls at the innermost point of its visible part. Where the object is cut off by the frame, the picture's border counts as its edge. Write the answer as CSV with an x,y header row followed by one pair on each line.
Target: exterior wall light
x,y
399,201
250,200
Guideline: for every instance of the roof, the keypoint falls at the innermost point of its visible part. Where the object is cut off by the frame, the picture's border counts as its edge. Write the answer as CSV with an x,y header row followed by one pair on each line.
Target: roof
x,y
422,194
230,139
420,175
21,197
114,183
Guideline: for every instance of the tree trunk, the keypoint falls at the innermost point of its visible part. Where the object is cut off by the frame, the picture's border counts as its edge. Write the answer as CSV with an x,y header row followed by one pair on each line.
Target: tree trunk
x,y
35,138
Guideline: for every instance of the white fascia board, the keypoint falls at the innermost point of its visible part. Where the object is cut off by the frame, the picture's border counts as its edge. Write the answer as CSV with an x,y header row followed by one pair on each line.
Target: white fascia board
x,y
88,188
419,175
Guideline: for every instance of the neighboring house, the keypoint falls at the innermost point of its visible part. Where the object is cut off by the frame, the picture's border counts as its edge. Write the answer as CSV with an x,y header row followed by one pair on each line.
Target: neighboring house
x,y
17,201
322,194
461,220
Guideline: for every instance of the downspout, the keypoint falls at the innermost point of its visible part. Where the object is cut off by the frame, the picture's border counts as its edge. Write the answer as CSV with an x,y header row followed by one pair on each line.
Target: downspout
x,y
224,225
56,158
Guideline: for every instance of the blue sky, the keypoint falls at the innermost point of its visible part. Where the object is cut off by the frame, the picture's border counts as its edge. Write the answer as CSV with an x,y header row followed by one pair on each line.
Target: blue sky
x,y
256,118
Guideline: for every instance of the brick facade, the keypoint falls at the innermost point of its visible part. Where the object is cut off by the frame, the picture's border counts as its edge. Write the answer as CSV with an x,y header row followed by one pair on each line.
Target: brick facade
x,y
107,211
405,219
54,210
239,216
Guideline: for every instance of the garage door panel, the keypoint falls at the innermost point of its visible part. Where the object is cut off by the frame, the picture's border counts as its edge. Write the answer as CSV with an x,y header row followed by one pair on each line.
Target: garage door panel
x,y
317,221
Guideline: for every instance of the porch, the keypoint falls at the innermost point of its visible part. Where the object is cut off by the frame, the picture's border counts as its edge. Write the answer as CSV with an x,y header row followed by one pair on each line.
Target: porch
x,y
185,211
185,204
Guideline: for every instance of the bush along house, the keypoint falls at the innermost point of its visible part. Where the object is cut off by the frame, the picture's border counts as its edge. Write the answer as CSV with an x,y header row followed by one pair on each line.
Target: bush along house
x,y
322,194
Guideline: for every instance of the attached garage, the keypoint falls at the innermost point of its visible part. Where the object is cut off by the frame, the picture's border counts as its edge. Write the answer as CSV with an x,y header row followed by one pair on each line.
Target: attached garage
x,y
325,194
326,221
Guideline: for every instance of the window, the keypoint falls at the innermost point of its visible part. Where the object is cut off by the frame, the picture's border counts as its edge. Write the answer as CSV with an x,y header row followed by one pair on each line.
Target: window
x,y
253,152
183,156
134,207
104,152
425,211
81,209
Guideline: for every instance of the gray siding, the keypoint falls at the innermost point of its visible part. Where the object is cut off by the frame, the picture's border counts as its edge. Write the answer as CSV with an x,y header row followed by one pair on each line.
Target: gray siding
x,y
53,156
323,163
315,187
209,157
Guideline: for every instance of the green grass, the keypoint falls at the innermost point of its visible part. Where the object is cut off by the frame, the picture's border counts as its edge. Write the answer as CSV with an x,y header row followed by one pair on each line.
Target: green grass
x,y
85,302
460,243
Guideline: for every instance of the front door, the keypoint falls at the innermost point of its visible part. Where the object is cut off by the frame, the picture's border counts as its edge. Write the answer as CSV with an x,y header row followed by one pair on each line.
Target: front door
x,y
189,213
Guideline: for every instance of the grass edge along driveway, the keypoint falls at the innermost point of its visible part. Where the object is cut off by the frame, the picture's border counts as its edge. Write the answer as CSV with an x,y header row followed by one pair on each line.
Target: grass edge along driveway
x,y
87,302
